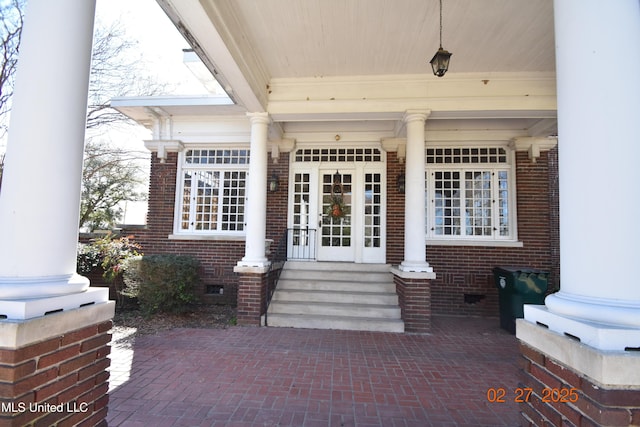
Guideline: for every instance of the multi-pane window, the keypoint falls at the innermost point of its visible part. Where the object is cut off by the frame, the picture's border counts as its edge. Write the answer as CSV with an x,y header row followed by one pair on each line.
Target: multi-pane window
x,y
372,210
213,189
338,155
468,194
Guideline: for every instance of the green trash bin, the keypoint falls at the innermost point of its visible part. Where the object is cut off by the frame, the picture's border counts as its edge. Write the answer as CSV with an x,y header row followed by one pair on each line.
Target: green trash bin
x,y
518,286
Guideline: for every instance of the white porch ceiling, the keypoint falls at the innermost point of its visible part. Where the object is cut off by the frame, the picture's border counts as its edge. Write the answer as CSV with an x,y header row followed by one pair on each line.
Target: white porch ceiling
x,y
294,58
372,37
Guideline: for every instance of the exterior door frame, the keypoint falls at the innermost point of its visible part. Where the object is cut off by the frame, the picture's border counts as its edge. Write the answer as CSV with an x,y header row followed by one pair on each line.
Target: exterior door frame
x,y
363,235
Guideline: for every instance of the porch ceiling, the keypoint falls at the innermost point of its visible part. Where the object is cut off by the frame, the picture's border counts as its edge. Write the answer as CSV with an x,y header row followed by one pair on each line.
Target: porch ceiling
x,y
372,37
270,54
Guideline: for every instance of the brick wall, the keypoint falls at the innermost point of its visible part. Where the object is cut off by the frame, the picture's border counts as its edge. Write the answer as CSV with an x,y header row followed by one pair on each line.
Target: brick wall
x,y
414,298
577,401
68,372
277,202
217,258
251,298
465,283
395,211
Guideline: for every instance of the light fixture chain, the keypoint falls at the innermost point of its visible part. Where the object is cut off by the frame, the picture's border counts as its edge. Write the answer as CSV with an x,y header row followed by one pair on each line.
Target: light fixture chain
x,y
441,24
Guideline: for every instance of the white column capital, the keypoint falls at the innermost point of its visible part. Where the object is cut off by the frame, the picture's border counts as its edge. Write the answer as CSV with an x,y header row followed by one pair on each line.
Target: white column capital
x,y
259,118
413,115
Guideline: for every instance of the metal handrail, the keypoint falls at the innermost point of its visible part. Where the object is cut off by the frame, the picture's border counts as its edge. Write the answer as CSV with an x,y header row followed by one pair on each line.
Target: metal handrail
x,y
277,262
295,243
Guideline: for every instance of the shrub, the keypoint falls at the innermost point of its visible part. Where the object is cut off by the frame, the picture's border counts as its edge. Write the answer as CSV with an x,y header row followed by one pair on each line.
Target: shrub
x,y
109,254
162,283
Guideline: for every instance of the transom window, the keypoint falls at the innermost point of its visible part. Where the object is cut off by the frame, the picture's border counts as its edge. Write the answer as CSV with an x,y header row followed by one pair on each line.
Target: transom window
x,y
217,157
213,189
469,194
338,155
467,155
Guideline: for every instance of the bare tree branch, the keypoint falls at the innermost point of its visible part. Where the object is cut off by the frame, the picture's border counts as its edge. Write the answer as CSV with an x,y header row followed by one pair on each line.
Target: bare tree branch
x,y
10,33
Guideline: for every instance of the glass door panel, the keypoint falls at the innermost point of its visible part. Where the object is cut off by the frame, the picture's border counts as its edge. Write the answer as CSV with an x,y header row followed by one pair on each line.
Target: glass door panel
x,y
336,227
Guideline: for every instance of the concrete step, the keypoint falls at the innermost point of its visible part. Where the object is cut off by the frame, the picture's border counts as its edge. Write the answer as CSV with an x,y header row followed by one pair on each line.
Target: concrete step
x,y
337,266
337,275
351,297
335,285
384,311
335,322
336,295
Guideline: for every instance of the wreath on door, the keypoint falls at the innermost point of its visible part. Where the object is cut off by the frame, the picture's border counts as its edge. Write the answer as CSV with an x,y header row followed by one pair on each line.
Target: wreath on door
x,y
336,208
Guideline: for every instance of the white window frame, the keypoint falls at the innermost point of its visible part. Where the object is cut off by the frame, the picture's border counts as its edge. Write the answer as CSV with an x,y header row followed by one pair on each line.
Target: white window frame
x,y
495,239
216,234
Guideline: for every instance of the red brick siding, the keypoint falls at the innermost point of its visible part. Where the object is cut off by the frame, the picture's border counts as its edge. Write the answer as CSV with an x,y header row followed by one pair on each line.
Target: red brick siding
x,y
414,298
251,298
593,404
277,202
68,370
395,211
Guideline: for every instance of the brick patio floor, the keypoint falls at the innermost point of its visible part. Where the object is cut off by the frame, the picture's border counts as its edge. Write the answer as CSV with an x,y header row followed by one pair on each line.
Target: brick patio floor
x,y
294,377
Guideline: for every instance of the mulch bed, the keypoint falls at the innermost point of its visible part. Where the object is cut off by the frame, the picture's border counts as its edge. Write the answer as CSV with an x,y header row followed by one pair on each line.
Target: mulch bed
x,y
202,316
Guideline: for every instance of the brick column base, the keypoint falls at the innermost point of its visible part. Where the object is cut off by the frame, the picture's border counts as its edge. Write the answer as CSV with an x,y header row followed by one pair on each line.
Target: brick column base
x,y
414,296
251,296
562,395
53,369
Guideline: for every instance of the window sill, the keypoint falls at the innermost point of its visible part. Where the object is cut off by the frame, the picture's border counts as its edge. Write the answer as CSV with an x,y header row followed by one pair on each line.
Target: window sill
x,y
491,243
218,237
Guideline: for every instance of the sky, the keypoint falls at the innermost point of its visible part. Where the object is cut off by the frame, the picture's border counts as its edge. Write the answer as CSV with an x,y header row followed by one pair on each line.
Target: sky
x,y
159,42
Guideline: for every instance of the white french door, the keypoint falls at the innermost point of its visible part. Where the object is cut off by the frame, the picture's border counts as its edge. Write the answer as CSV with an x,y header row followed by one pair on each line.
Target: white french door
x,y
336,216
345,205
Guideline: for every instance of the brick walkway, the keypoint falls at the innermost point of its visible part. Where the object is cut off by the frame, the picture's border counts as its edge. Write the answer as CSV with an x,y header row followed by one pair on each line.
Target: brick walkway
x,y
293,377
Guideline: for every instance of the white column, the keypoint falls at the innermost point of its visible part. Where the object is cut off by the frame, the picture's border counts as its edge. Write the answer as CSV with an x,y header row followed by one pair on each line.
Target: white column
x,y
256,205
598,92
414,205
40,197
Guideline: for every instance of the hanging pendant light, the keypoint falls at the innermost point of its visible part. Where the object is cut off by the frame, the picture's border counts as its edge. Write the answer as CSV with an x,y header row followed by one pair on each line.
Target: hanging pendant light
x,y
440,61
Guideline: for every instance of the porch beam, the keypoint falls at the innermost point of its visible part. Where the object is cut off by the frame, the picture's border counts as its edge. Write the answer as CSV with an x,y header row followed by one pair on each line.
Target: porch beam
x,y
388,97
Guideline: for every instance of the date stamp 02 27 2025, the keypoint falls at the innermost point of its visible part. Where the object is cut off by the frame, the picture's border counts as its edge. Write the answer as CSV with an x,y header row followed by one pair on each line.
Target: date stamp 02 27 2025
x,y
523,394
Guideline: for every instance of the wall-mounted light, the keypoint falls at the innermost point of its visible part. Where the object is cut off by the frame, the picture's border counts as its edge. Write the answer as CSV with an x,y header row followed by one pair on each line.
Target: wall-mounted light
x,y
274,183
440,61
401,183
